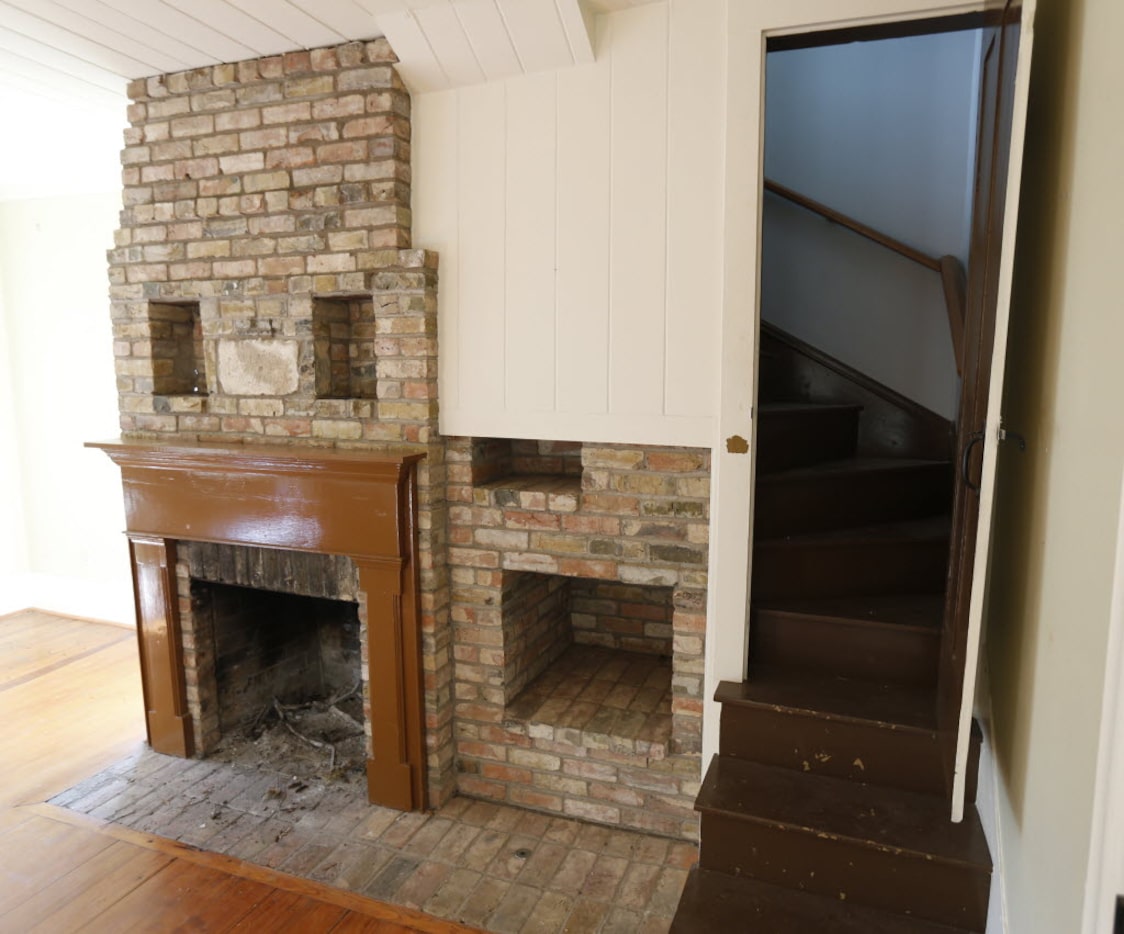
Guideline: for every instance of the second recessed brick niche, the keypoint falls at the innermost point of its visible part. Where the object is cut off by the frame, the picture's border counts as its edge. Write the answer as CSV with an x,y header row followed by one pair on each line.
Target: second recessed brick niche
x,y
578,598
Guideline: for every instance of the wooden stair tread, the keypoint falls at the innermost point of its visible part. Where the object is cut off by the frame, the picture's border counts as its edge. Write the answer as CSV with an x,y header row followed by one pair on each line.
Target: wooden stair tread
x,y
931,529
715,901
773,408
899,823
888,704
853,465
919,611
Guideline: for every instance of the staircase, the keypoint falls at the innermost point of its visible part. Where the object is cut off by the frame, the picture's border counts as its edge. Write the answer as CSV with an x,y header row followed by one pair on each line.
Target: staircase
x,y
826,809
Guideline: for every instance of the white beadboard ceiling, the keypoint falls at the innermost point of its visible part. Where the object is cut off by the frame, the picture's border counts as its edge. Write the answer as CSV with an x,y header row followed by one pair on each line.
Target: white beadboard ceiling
x,y
64,64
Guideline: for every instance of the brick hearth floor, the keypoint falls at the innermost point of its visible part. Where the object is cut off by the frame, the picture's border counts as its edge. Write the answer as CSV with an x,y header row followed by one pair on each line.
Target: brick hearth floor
x,y
475,862
601,698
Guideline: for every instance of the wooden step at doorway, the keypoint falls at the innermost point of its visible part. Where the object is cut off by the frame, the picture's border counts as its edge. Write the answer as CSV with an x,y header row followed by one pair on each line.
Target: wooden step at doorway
x,y
874,637
864,731
892,558
852,492
802,434
716,902
883,848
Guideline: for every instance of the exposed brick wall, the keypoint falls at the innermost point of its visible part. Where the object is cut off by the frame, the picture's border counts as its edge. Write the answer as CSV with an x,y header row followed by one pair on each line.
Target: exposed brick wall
x,y
264,290
630,617
636,517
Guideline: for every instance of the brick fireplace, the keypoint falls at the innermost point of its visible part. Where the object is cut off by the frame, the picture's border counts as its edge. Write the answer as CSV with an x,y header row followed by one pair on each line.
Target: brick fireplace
x,y
267,296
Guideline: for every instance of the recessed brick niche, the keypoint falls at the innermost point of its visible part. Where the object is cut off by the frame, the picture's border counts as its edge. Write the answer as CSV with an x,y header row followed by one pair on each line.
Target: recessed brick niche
x,y
266,291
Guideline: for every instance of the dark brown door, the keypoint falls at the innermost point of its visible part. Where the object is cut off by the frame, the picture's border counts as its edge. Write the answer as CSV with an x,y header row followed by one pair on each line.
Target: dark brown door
x,y
1000,53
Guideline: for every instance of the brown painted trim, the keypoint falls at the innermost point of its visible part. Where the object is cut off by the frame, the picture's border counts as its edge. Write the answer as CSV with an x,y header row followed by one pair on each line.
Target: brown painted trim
x,y
357,504
858,227
897,30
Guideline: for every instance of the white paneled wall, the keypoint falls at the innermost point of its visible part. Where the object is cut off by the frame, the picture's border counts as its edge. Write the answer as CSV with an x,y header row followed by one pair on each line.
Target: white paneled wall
x,y
578,214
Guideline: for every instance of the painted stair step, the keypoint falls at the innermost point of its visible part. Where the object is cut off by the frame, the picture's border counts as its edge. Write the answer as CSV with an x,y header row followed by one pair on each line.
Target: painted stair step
x,y
895,638
714,902
890,558
853,492
881,733
798,434
884,848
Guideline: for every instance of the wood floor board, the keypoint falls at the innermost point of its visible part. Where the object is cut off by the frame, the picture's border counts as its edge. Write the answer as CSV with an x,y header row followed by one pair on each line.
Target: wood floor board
x,y
88,890
33,855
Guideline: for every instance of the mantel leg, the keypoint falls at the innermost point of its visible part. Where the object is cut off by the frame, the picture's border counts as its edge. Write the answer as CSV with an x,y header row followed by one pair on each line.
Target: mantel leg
x,y
393,770
158,632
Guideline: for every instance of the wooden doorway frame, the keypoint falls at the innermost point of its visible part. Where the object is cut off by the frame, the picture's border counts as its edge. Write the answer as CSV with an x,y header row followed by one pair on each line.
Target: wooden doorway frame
x,y
748,28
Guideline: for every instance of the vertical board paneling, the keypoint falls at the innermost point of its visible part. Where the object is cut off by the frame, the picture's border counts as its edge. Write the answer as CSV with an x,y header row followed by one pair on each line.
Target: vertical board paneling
x,y
435,208
482,242
638,238
584,134
696,125
531,180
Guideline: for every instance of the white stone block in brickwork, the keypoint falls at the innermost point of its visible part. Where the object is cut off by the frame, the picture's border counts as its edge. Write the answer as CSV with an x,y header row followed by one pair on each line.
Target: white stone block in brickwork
x,y
258,367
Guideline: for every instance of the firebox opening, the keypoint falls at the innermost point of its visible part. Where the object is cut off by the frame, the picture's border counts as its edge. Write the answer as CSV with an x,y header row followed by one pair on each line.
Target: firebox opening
x,y
590,659
288,678
343,335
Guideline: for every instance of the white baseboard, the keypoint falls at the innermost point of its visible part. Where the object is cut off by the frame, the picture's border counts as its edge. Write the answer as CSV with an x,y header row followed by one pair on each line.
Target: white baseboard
x,y
109,601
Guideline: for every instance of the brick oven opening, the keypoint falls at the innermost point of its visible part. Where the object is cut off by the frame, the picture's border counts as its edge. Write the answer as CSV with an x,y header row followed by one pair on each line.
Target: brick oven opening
x,y
589,660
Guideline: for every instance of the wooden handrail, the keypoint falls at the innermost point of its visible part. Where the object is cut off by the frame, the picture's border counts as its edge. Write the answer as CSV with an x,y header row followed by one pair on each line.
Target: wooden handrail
x,y
952,278
948,267
857,226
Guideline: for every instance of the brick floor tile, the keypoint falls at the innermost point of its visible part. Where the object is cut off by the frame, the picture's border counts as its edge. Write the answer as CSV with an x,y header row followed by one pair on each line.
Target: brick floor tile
x,y
512,858
483,850
621,921
666,894
420,887
638,885
452,846
572,873
592,837
542,864
386,882
448,898
427,840
482,901
403,828
514,909
548,916
586,918
374,825
604,878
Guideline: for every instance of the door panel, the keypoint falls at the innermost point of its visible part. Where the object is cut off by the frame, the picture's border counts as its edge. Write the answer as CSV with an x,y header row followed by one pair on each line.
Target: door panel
x,y
1004,78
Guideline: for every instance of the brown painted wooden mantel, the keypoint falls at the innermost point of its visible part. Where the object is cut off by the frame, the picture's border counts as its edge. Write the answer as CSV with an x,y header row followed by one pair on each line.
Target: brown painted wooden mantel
x,y
353,503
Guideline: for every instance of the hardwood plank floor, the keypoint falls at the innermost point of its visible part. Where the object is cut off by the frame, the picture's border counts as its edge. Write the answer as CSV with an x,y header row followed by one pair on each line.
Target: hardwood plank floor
x,y
69,706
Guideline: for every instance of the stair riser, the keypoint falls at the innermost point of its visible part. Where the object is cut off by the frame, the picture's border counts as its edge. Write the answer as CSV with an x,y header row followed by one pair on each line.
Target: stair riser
x,y
948,893
841,569
905,759
907,655
787,505
802,438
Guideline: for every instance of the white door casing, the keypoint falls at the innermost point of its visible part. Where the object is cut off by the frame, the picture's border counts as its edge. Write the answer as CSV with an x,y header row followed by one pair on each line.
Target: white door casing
x,y
748,26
